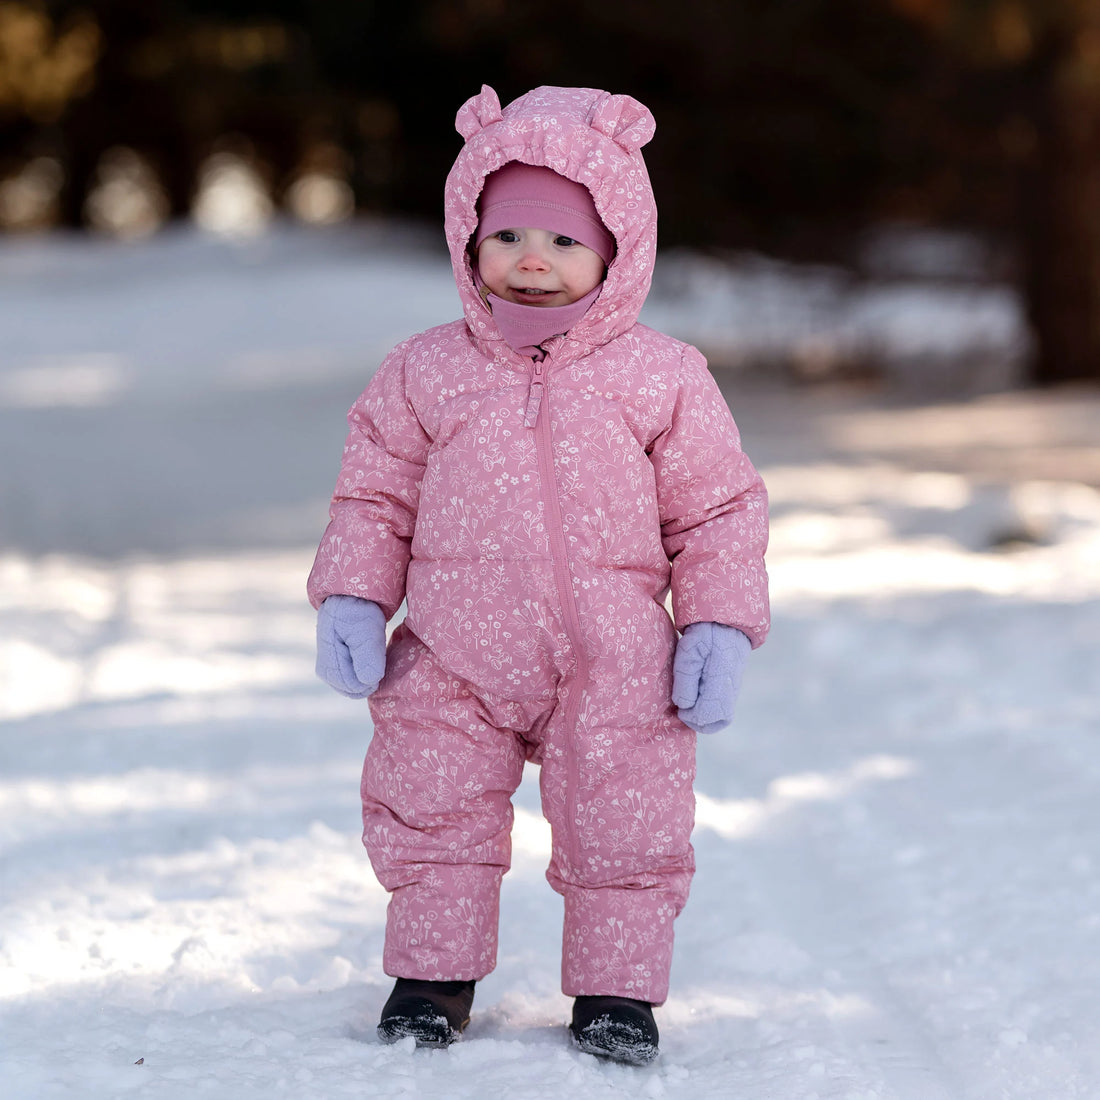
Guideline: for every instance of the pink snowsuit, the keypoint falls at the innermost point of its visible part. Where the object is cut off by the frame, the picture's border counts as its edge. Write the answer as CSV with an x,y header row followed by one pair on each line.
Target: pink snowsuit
x,y
534,516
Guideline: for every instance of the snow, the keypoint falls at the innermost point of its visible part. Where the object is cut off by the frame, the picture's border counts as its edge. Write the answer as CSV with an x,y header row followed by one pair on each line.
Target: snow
x,y
898,892
818,320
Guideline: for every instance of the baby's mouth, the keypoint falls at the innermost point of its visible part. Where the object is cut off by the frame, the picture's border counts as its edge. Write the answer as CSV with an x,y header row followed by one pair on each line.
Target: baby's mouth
x,y
533,293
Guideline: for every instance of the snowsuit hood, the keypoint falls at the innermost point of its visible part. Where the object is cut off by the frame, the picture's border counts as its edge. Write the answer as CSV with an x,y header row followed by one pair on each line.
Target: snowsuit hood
x,y
586,135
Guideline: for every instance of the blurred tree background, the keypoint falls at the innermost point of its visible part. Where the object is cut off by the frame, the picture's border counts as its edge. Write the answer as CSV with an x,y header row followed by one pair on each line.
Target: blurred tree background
x,y
783,125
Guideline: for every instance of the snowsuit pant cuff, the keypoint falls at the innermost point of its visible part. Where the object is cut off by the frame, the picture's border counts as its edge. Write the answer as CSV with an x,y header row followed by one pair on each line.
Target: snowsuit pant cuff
x,y
618,942
443,926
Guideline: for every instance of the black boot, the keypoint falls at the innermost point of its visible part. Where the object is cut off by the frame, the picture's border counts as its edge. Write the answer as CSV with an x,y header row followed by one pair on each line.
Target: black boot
x,y
615,1027
433,1013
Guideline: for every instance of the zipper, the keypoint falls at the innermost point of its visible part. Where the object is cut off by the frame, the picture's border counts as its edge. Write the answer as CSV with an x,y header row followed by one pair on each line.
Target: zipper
x,y
538,417
535,392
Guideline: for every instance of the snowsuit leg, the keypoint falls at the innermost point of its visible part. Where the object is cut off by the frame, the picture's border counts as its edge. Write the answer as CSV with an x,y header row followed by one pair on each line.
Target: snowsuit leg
x,y
437,784
617,790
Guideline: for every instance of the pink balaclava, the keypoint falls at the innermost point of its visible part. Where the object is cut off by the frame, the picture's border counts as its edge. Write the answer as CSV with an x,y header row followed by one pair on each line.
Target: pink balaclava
x,y
527,196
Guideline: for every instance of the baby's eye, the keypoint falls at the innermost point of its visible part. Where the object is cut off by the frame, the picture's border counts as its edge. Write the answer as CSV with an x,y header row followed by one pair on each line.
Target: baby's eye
x,y
564,242
507,236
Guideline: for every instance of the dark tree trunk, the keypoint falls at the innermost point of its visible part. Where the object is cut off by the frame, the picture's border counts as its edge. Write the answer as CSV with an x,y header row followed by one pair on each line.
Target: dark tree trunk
x,y
1060,219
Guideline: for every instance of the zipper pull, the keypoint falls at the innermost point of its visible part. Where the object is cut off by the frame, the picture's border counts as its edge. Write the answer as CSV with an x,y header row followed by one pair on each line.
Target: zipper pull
x,y
534,394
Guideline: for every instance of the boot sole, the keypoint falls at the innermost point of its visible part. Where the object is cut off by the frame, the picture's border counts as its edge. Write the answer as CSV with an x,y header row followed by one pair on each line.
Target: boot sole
x,y
428,1031
616,1045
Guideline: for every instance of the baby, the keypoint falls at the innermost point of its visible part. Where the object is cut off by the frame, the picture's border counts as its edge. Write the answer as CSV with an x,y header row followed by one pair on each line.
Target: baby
x,y
533,480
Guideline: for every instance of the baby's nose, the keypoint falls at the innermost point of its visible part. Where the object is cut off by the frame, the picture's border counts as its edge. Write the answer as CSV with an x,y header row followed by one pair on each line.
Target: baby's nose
x,y
533,258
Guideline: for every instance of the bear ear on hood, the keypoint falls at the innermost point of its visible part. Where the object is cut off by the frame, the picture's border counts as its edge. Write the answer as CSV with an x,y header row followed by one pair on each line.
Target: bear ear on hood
x,y
623,119
477,112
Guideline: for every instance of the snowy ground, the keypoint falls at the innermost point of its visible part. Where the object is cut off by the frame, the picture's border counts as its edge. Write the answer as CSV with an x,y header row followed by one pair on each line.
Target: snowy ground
x,y
899,877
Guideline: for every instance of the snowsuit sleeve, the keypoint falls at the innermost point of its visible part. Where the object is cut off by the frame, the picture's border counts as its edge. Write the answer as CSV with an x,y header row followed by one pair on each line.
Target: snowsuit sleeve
x,y
713,510
365,549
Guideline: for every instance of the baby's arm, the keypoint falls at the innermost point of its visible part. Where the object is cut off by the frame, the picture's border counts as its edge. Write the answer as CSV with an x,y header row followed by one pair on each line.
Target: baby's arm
x,y
714,525
365,549
713,510
358,577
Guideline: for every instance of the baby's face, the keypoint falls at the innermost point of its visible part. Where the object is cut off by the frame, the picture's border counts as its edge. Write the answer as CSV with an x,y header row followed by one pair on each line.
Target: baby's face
x,y
535,267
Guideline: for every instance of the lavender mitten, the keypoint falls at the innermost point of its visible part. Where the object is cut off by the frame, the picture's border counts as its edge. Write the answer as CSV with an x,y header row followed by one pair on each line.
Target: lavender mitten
x,y
706,675
351,645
